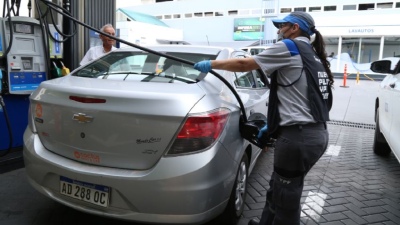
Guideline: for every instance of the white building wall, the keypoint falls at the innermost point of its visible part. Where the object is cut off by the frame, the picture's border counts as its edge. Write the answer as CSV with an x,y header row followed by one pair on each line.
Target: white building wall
x,y
206,31
335,26
219,30
146,34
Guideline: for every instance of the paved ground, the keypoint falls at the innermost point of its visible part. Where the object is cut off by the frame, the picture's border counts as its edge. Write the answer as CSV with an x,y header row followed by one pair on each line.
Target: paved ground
x,y
349,185
355,102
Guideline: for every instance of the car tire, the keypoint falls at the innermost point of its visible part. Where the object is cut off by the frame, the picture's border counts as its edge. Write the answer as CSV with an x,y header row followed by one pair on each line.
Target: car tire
x,y
234,209
380,145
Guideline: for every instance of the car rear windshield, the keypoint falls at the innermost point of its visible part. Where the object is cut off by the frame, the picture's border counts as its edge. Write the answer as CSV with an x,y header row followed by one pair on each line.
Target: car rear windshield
x,y
143,67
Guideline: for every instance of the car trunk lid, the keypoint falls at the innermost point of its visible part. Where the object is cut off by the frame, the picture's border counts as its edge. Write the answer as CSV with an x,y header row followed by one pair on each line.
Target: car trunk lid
x,y
124,124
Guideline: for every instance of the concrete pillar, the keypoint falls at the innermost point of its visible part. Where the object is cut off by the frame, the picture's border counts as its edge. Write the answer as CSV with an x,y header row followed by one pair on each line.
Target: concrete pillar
x,y
381,47
339,53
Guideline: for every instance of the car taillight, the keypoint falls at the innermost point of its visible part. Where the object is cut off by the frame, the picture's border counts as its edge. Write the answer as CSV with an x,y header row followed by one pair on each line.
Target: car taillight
x,y
199,132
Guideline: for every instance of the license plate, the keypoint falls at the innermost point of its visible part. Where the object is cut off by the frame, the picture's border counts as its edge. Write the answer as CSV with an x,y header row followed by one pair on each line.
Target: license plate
x,y
92,193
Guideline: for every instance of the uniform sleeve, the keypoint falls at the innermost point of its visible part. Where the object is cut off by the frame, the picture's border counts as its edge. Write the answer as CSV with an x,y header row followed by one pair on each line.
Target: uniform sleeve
x,y
273,58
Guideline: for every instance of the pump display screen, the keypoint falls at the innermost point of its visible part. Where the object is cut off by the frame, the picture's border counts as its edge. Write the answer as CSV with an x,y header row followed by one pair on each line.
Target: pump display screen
x,y
23,28
26,63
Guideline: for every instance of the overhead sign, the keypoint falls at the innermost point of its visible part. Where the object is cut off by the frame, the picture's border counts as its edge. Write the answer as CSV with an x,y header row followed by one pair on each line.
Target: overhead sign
x,y
360,30
248,29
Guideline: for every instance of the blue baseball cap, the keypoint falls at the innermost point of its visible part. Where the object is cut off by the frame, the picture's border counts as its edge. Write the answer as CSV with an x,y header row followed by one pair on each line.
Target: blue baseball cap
x,y
303,19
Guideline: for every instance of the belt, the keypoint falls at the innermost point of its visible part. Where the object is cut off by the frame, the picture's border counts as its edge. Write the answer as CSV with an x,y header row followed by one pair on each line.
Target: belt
x,y
321,125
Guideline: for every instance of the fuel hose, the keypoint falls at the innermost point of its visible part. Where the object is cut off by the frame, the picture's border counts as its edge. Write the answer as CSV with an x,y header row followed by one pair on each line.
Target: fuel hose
x,y
242,108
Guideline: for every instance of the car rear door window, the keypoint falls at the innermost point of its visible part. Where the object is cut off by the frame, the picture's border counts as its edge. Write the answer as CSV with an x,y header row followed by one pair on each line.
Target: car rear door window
x,y
144,67
250,79
245,80
261,79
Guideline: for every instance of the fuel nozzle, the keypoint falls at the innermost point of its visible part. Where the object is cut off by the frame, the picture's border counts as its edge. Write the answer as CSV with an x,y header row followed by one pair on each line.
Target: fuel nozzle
x,y
65,70
55,71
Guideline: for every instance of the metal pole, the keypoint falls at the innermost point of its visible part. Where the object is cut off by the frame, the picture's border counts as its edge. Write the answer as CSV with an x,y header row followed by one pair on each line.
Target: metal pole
x,y
359,51
67,28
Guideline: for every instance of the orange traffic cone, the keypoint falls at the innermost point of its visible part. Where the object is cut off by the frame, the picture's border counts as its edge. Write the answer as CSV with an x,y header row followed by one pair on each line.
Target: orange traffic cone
x,y
345,76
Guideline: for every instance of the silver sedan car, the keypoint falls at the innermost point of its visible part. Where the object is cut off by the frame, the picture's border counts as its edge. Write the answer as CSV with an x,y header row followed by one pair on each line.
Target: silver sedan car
x,y
142,137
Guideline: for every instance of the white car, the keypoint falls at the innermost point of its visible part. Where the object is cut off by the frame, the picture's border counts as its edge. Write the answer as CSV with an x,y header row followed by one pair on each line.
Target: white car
x,y
387,108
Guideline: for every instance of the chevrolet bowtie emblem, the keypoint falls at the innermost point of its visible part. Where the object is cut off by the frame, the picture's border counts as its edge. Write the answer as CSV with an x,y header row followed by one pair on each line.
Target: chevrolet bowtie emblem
x,y
82,118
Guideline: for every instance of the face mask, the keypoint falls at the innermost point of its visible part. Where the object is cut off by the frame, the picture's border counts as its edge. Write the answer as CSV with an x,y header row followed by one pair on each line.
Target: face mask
x,y
281,36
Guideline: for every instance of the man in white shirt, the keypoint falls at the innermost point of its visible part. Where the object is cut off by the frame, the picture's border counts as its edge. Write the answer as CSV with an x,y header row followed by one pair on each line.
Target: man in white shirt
x,y
97,51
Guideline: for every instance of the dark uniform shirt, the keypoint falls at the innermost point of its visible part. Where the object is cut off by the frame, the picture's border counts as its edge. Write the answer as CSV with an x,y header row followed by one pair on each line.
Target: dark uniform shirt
x,y
294,107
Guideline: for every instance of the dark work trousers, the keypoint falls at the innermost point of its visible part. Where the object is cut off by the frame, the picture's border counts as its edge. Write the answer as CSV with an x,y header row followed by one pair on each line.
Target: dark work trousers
x,y
297,149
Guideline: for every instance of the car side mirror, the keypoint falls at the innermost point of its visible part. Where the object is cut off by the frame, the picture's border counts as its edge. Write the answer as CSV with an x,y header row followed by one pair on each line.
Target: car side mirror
x,y
381,66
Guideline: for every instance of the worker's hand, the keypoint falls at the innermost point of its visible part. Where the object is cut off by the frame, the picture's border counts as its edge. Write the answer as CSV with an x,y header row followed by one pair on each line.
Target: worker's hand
x,y
203,66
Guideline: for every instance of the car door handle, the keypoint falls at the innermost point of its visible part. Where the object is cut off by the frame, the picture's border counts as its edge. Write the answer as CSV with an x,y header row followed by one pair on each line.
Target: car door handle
x,y
392,85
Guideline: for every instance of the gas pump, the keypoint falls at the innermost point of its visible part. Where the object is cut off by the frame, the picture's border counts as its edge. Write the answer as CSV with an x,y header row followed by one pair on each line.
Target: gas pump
x,y
31,51
26,65
23,68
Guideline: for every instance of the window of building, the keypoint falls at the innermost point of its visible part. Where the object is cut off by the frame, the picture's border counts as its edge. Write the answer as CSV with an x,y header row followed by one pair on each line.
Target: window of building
x,y
331,46
219,14
269,11
349,7
188,15
367,6
369,50
159,17
208,14
397,4
363,50
286,10
198,14
330,8
350,47
314,9
167,17
256,11
232,12
384,5
177,16
244,12
163,1
391,47
300,9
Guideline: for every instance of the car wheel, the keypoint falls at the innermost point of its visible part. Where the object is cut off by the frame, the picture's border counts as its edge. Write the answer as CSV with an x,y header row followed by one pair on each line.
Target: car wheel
x,y
380,145
236,203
